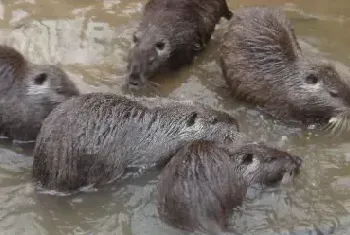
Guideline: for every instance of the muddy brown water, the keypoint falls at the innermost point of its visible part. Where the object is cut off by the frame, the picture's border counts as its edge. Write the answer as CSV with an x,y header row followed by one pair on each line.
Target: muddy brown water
x,y
90,39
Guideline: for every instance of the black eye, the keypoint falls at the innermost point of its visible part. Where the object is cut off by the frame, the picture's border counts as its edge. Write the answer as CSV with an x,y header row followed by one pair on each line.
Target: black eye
x,y
135,38
311,79
333,93
40,79
248,158
160,45
192,119
214,121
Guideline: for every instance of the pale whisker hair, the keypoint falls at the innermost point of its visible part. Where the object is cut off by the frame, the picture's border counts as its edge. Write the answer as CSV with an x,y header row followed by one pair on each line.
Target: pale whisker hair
x,y
152,85
338,124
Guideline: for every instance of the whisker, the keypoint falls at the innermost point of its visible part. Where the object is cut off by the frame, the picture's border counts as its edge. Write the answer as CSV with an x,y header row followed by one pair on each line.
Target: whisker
x,y
336,131
153,84
152,87
330,125
344,123
338,124
346,119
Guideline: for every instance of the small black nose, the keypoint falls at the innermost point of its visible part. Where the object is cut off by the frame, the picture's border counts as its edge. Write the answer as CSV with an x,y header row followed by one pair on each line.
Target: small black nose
x,y
298,160
134,79
134,82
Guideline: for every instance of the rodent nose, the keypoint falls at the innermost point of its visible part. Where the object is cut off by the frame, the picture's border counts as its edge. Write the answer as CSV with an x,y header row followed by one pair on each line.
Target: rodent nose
x,y
298,164
298,160
134,79
134,82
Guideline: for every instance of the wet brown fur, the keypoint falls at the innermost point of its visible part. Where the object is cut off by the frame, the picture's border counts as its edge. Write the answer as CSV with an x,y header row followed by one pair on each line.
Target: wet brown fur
x,y
263,64
183,26
206,180
28,92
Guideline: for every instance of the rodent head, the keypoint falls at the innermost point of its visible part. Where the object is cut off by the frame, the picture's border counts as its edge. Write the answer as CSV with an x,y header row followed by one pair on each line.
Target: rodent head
x,y
48,84
213,123
261,164
150,53
322,93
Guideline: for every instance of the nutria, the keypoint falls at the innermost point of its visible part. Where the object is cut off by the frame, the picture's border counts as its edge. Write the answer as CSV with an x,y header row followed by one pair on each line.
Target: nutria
x,y
28,93
205,181
95,138
170,35
263,64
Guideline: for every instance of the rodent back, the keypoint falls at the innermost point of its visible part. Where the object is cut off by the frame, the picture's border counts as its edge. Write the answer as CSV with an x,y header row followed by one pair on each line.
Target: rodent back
x,y
120,131
12,68
199,188
264,37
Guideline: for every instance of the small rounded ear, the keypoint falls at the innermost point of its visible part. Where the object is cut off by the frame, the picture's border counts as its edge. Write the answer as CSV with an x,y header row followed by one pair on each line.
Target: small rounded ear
x,y
334,93
197,47
198,43
247,158
40,79
311,79
192,119
160,45
214,120
135,38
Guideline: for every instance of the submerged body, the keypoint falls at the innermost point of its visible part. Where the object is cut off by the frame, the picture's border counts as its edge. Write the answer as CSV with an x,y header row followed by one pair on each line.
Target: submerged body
x,y
170,35
28,93
205,181
263,64
95,138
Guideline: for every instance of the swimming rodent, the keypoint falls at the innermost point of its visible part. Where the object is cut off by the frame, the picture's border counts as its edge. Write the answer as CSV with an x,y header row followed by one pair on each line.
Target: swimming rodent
x,y
263,64
205,181
95,138
28,93
170,34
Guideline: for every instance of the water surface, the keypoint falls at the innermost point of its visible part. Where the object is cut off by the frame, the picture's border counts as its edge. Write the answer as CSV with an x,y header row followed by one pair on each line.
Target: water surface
x,y
90,39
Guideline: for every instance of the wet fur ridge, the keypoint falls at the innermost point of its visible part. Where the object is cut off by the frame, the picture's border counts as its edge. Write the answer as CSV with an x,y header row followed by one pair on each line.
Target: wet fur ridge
x,y
12,67
199,188
263,64
94,138
199,21
28,92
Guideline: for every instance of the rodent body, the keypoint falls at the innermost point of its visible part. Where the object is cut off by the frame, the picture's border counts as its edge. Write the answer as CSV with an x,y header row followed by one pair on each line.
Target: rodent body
x,y
170,35
28,93
95,138
263,64
206,180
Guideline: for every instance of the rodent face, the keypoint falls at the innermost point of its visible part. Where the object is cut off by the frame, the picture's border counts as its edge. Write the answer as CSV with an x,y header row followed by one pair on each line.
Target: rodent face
x,y
49,84
150,52
259,163
322,93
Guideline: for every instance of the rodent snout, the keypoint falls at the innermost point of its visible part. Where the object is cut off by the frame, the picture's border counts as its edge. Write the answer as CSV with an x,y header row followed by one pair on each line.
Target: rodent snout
x,y
298,162
289,176
293,171
134,79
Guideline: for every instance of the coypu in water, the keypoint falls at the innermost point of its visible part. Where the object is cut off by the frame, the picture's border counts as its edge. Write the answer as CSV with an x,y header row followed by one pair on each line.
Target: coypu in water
x,y
205,181
170,35
95,138
263,64
28,93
